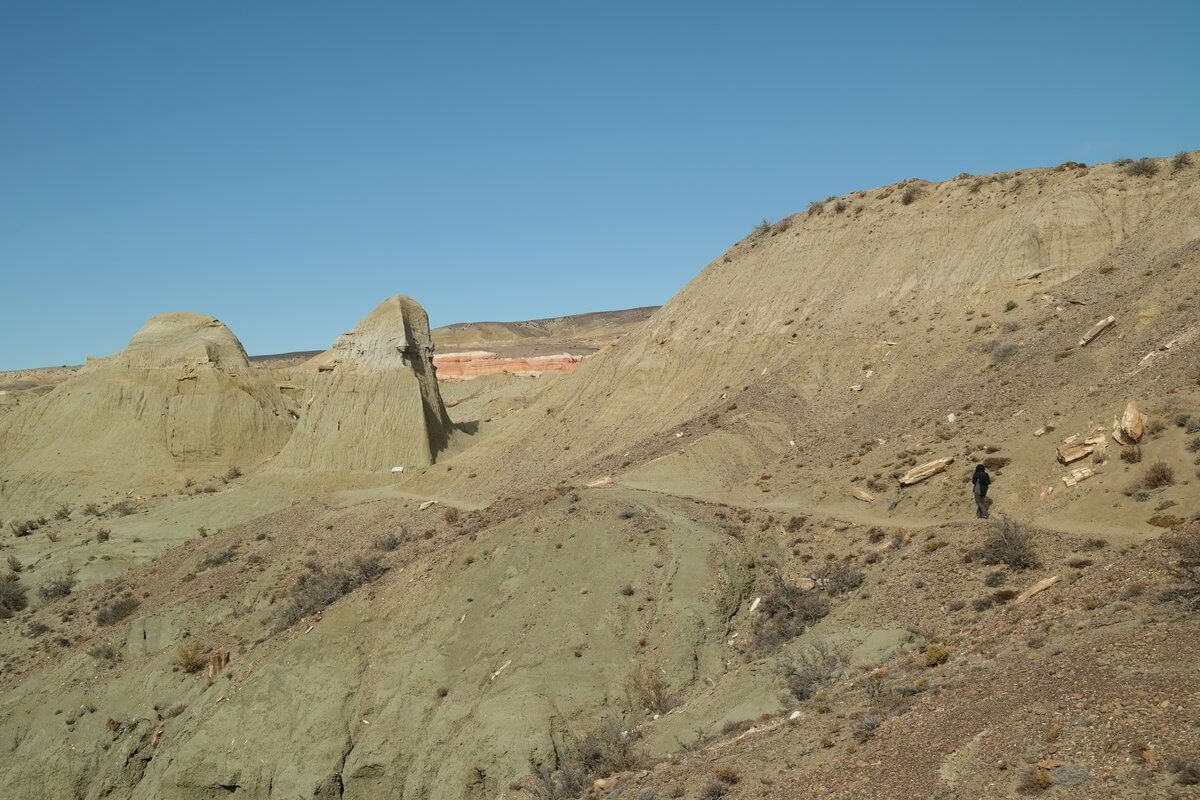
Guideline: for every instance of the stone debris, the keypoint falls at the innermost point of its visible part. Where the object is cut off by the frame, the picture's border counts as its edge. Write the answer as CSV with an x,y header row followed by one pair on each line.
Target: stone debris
x,y
1042,431
598,482
1069,775
427,504
863,495
918,474
503,667
1129,427
1097,329
1040,586
1077,476
856,387
1075,447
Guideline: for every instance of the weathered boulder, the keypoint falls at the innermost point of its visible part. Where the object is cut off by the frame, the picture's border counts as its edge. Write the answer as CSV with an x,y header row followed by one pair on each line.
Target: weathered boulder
x,y
1130,426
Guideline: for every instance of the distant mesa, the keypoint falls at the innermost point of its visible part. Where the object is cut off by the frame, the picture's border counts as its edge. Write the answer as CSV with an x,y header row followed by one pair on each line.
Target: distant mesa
x,y
372,399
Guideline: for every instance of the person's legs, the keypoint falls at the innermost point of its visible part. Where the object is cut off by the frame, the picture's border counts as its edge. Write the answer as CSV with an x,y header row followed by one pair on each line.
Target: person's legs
x,y
980,506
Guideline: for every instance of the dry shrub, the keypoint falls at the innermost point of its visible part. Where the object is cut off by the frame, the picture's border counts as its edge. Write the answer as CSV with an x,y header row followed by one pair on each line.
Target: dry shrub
x,y
116,611
842,578
58,586
714,789
935,654
1184,569
450,515
189,656
784,613
1008,542
1157,475
1142,168
727,774
388,542
15,564
318,588
63,512
1165,521
911,193
12,598
604,751
807,672
649,691
122,508
1182,159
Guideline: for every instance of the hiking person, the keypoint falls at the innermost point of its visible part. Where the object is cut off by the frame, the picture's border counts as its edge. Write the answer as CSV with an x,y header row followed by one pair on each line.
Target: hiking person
x,y
980,481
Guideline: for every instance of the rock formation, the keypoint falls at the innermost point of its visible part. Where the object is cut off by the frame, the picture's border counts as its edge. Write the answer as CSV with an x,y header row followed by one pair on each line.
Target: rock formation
x,y
371,400
181,398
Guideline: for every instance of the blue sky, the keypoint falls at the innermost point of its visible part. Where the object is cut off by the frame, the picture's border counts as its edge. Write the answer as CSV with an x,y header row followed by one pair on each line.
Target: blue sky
x,y
285,166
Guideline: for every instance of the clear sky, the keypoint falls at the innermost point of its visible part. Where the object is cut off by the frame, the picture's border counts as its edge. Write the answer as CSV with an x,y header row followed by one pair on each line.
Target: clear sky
x,y
285,166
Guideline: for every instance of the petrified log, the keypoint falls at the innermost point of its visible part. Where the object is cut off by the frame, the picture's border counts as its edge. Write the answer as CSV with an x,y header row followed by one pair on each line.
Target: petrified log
x,y
1097,329
918,474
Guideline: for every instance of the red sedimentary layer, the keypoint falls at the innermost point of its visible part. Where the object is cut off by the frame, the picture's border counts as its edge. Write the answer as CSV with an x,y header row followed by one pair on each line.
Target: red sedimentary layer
x,y
480,362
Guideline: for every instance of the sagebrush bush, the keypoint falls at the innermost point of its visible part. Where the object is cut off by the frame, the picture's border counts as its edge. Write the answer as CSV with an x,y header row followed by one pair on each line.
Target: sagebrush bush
x,y
318,588
58,586
13,598
1008,542
1157,475
190,656
842,578
1142,168
784,613
63,512
1182,159
813,669
1131,454
604,751
117,610
388,542
218,558
911,193
648,690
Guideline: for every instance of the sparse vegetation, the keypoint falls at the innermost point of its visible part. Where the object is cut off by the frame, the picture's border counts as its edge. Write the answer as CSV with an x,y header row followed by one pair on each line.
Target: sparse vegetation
x,y
578,762
1184,569
121,508
63,512
811,670
117,610
1181,160
910,193
764,226
189,656
13,597
108,654
784,613
648,690
387,542
233,474
218,558
450,515
58,586
842,578
935,654
318,588
1008,542
103,535
1131,454
1158,475
15,564
1142,168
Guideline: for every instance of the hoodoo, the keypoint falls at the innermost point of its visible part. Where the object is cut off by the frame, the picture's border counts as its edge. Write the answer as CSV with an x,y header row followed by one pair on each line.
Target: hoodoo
x,y
372,401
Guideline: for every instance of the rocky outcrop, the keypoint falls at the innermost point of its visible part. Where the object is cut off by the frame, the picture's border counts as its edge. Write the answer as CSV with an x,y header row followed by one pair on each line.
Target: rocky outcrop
x,y
473,364
1130,426
371,401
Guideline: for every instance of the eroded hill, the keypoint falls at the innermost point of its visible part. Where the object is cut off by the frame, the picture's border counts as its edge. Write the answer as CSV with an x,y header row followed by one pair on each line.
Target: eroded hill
x,y
691,568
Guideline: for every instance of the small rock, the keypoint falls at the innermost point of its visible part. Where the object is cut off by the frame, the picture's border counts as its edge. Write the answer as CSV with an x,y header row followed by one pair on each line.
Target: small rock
x,y
1069,775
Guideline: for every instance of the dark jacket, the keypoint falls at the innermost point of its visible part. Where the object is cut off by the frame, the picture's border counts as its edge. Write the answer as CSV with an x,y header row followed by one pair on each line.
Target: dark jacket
x,y
981,480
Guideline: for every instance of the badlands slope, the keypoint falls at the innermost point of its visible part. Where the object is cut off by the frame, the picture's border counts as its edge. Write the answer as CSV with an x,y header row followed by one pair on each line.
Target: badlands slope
x,y
596,586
